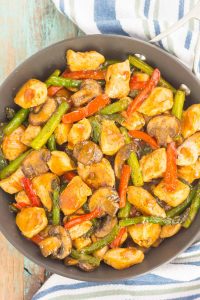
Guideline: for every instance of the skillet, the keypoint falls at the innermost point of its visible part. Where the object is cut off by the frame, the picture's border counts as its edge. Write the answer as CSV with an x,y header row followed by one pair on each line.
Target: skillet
x,y
43,63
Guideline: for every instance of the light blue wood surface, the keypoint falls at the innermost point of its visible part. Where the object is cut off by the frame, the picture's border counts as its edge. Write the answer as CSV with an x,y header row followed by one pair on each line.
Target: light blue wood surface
x,y
26,27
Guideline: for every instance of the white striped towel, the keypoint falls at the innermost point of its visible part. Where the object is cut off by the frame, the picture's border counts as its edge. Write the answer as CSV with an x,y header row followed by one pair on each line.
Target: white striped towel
x,y
143,19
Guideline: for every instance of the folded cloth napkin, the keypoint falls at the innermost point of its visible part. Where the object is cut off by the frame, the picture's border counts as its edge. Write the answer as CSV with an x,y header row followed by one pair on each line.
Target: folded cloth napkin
x,y
143,19
179,279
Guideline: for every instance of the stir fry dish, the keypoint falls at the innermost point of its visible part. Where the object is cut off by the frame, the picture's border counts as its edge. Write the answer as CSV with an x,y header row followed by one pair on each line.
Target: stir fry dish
x,y
102,160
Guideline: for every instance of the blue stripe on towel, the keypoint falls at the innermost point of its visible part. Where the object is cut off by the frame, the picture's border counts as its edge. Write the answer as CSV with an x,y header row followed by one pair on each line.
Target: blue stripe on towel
x,y
149,279
157,31
181,9
105,17
188,40
62,6
146,8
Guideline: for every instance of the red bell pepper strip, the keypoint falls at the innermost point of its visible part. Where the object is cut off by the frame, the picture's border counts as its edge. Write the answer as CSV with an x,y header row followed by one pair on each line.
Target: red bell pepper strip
x,y
171,170
52,90
145,137
28,188
69,175
91,108
117,241
123,185
87,74
92,215
21,205
37,239
136,84
139,99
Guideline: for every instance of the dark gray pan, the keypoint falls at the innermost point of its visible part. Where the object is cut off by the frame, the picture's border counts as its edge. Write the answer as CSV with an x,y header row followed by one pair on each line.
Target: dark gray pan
x,y
40,66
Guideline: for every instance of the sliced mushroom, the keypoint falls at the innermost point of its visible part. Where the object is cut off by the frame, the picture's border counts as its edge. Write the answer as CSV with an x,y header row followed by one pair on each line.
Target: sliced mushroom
x,y
87,153
42,113
98,174
106,226
31,221
122,155
106,199
36,163
58,243
86,266
164,128
89,89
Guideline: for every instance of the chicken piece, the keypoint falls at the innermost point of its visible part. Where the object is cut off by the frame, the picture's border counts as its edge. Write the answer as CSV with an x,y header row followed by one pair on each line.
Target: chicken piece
x,y
159,101
32,93
41,114
79,132
190,122
31,221
111,139
29,134
43,186
21,197
144,234
172,198
79,61
12,184
79,230
123,258
117,80
190,173
82,242
106,198
135,121
36,163
12,146
74,196
89,89
60,163
144,202
153,165
58,242
189,151
87,153
97,175
169,230
101,252
164,128
61,133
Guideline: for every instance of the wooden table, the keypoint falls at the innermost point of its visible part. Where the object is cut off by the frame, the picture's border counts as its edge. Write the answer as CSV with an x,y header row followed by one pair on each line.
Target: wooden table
x,y
26,27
